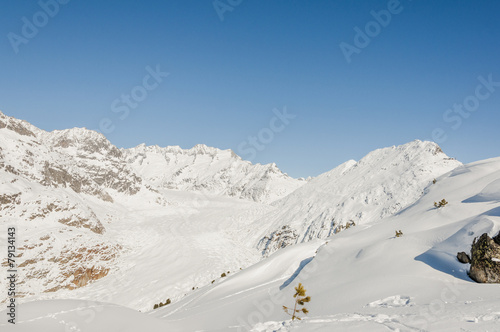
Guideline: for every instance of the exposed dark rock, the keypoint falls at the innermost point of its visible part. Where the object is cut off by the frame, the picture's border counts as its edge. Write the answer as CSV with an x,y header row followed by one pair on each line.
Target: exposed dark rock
x,y
438,150
55,176
10,169
89,221
496,238
279,239
83,276
76,221
18,126
485,260
119,177
9,199
463,258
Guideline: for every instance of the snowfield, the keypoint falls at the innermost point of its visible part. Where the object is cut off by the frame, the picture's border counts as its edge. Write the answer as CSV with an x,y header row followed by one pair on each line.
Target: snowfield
x,y
363,278
104,234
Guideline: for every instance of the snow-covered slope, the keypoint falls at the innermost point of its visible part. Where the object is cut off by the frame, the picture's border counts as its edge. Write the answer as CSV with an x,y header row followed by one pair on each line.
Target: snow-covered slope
x,y
366,279
362,279
83,316
379,185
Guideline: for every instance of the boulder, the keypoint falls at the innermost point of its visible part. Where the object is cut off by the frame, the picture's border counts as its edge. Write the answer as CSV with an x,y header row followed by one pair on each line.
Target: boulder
x,y
463,258
485,259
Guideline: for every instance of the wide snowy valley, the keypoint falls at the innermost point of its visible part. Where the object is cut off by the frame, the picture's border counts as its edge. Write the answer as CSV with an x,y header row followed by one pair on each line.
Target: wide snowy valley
x,y
169,239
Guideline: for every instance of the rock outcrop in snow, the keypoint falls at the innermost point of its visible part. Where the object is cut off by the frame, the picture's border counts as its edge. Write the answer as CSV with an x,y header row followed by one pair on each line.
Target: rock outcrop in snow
x,y
463,257
485,260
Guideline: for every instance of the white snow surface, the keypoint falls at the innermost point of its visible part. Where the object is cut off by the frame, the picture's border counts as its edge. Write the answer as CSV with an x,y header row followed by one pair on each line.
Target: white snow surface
x,y
160,242
366,279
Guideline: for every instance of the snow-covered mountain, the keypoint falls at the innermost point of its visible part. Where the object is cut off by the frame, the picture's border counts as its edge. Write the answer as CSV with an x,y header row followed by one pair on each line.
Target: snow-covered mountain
x,y
87,162
362,279
66,189
379,185
212,170
137,226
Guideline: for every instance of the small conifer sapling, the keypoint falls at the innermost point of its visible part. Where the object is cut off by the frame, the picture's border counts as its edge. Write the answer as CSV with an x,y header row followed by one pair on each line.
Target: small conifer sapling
x,y
441,203
300,300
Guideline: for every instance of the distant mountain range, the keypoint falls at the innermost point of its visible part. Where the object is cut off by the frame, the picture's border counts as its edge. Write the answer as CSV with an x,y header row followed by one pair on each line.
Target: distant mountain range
x,y
89,211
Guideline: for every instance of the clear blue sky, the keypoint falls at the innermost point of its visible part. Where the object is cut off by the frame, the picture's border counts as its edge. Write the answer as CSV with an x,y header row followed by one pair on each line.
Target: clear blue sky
x,y
226,76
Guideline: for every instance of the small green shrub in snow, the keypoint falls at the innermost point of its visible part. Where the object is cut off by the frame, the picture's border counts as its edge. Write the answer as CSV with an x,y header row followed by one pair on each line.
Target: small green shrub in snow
x,y
440,204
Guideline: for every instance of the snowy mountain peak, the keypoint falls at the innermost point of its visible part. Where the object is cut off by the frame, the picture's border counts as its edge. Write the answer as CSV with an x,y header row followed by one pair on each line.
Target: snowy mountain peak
x,y
209,170
407,151
203,149
81,140
21,127
379,185
77,134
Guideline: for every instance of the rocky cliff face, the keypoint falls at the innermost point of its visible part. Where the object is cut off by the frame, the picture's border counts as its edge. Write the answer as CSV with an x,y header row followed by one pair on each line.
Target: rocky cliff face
x,y
79,159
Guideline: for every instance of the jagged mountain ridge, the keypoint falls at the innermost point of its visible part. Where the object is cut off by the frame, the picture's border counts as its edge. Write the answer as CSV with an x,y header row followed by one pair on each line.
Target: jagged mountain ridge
x,y
208,169
379,185
87,162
